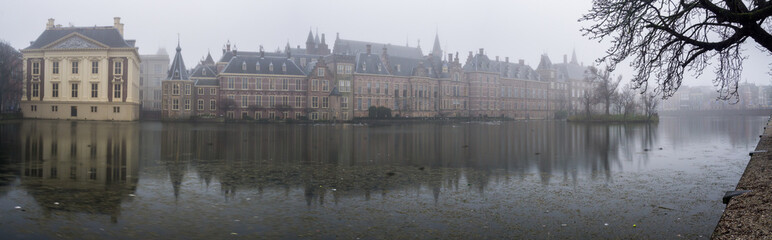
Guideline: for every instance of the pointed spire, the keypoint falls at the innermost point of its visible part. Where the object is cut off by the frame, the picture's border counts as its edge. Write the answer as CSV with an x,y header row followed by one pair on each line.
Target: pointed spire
x,y
573,57
316,38
436,49
287,47
310,39
177,70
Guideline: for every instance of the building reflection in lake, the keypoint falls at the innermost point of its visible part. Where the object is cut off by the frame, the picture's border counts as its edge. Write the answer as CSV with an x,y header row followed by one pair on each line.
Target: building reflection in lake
x,y
361,160
76,166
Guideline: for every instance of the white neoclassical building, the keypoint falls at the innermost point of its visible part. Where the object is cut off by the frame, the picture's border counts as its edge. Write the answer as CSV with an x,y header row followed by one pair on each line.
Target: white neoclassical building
x,y
86,73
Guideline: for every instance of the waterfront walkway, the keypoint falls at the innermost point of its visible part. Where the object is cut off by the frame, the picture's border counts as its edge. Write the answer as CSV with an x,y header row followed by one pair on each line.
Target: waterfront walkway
x,y
749,216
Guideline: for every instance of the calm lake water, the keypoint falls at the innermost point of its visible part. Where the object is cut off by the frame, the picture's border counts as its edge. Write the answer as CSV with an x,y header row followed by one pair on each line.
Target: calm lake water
x,y
471,180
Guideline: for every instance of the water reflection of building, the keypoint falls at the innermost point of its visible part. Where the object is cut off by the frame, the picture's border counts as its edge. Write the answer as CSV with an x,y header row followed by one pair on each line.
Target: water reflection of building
x,y
85,166
362,161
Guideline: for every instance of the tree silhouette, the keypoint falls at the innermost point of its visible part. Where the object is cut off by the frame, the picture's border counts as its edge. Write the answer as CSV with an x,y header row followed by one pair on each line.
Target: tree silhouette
x,y
10,76
665,38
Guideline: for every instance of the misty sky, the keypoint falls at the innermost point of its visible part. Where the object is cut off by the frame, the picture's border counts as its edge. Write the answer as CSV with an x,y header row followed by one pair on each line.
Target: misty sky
x,y
514,29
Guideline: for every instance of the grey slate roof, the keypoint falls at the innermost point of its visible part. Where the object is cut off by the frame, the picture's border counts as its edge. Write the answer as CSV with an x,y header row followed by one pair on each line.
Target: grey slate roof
x,y
481,63
207,82
208,71
351,47
570,71
106,35
177,70
368,64
519,71
236,65
408,66
545,62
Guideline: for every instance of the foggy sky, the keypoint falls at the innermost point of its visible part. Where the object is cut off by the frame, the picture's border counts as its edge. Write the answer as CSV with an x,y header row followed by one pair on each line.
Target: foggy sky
x,y
514,29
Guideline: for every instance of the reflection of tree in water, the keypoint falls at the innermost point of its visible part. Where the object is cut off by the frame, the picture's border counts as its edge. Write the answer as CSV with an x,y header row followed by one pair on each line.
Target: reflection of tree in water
x,y
10,155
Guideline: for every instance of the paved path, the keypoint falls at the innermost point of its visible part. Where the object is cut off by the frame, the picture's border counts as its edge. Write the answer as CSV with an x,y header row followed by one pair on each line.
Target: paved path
x,y
749,216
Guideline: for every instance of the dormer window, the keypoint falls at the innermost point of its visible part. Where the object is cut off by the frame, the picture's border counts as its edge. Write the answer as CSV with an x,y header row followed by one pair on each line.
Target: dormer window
x,y
379,67
445,68
320,72
270,67
203,71
284,67
364,67
399,68
244,66
257,66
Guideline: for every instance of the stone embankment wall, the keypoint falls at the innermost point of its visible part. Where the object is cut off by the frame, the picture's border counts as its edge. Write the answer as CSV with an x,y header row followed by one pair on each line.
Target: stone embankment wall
x,y
749,215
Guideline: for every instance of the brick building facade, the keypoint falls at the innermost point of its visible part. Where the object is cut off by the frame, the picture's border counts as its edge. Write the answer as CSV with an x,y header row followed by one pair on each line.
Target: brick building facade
x,y
318,84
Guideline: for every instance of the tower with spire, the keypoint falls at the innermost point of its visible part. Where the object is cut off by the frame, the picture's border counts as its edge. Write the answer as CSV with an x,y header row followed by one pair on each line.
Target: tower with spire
x,y
178,89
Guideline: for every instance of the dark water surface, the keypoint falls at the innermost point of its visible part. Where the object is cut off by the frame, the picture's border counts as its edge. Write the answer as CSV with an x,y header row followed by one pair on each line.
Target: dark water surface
x,y
523,179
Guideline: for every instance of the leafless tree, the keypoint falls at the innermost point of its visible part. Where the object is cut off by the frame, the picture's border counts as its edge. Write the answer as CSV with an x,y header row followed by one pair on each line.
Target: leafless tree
x,y
228,104
10,76
627,99
588,99
605,86
650,102
665,38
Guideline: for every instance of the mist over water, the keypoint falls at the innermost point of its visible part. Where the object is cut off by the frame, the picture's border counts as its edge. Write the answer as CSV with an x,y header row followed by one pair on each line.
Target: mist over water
x,y
519,179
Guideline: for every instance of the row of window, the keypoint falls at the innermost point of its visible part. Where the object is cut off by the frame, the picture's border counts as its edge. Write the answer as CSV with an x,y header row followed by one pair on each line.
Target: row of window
x,y
186,104
117,90
285,115
266,83
55,108
74,67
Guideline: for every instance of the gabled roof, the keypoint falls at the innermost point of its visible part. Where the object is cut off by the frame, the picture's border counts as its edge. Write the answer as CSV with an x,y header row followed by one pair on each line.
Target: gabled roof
x,y
177,70
351,47
108,36
204,71
208,60
248,65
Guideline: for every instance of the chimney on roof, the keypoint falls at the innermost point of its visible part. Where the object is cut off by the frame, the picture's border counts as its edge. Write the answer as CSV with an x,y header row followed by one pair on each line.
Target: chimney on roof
x,y
565,59
50,24
228,46
385,52
521,62
482,50
506,59
234,50
118,25
369,48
